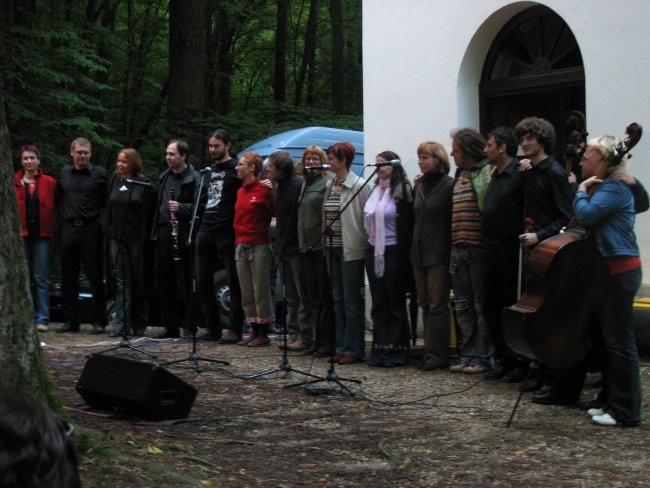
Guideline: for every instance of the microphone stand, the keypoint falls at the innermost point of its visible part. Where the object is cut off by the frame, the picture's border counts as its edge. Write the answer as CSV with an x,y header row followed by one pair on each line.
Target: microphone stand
x,y
123,257
194,357
332,375
285,365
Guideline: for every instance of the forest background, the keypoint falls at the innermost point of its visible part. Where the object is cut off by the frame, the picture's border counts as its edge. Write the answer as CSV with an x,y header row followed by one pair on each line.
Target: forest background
x,y
135,73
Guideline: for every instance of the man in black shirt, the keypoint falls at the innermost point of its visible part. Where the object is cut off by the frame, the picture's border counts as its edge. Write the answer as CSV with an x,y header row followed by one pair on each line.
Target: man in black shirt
x,y
548,208
82,195
171,227
215,241
548,193
502,221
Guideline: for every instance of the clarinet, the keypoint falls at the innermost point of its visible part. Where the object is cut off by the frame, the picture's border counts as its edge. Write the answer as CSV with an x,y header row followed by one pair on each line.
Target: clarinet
x,y
173,222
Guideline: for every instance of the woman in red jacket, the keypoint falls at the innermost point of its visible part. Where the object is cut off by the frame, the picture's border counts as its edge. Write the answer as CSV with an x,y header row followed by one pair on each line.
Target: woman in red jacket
x,y
253,256
35,192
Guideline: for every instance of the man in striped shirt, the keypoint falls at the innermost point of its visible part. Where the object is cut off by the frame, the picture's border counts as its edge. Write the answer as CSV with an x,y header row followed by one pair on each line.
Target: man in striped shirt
x,y
468,263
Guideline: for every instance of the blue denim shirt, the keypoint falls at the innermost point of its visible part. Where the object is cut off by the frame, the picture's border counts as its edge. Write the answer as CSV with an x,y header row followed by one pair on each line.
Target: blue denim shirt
x,y
610,213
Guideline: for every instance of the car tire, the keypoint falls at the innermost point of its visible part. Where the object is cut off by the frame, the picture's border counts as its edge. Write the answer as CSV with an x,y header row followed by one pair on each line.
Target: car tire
x,y
222,295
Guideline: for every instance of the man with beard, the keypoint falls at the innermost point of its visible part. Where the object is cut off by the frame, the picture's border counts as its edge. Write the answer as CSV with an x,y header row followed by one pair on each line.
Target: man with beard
x,y
502,221
177,192
215,240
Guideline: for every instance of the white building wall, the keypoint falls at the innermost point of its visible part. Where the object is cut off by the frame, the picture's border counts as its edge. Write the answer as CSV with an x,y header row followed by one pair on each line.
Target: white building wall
x,y
422,62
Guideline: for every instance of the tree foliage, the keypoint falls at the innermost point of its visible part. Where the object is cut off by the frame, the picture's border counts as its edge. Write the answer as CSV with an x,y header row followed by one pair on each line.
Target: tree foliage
x,y
118,73
139,72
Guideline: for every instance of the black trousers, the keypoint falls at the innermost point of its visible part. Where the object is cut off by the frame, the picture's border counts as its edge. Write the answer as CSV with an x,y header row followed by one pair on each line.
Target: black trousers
x,y
82,244
212,249
173,283
317,292
501,286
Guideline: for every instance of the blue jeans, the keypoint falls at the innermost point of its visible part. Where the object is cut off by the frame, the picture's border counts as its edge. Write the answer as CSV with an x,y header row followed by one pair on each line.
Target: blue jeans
x,y
467,267
36,252
347,281
617,321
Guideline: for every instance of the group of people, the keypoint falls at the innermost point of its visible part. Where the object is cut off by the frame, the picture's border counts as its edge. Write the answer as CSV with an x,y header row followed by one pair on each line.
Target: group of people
x,y
440,237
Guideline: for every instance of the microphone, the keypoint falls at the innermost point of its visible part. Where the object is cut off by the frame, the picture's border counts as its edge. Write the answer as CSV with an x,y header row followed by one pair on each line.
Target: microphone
x,y
136,182
318,167
393,162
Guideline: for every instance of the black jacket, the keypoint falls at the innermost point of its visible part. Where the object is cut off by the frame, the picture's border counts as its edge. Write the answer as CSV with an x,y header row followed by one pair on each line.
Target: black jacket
x,y
189,183
285,202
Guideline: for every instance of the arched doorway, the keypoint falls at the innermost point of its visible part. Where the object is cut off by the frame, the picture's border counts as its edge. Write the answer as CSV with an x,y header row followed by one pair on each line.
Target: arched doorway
x,y
534,67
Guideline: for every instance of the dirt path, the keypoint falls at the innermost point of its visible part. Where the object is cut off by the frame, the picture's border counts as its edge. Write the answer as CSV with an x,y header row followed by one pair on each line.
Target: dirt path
x,y
402,428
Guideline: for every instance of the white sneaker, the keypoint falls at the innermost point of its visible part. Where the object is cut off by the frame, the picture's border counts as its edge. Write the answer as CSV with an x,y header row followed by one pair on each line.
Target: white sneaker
x,y
42,328
604,419
592,412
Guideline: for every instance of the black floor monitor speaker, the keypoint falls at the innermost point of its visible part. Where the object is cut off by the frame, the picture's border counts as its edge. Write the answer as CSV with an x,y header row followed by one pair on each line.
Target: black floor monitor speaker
x,y
135,388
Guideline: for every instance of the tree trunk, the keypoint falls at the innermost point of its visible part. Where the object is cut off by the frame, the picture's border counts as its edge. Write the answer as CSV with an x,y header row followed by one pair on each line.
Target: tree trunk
x,y
187,24
280,68
21,359
338,85
223,36
307,68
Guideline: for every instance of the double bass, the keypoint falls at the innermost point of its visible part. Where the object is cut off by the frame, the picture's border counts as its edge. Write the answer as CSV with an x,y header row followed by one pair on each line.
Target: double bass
x,y
564,284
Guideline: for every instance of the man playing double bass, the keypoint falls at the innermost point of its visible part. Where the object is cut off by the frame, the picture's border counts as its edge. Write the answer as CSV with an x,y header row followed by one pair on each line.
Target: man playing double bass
x,y
548,195
547,209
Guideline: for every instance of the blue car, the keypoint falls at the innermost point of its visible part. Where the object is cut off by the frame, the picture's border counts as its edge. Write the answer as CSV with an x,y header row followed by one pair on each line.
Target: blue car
x,y
295,141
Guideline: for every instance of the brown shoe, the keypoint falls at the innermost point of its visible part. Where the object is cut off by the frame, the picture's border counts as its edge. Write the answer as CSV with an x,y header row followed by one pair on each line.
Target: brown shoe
x,y
297,346
323,352
255,331
229,337
431,366
246,340
259,341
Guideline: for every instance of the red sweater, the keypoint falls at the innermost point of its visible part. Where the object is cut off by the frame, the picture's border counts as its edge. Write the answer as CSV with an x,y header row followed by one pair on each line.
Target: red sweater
x,y
46,190
253,213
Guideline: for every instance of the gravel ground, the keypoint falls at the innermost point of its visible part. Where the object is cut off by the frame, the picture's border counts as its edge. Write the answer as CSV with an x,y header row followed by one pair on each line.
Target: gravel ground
x,y
396,427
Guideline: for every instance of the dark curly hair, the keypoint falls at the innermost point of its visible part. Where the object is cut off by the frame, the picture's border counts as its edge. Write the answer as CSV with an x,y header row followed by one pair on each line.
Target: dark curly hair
x,y
540,128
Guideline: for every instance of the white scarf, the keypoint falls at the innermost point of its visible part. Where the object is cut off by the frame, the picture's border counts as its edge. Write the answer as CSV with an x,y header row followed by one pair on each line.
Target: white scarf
x,y
375,206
